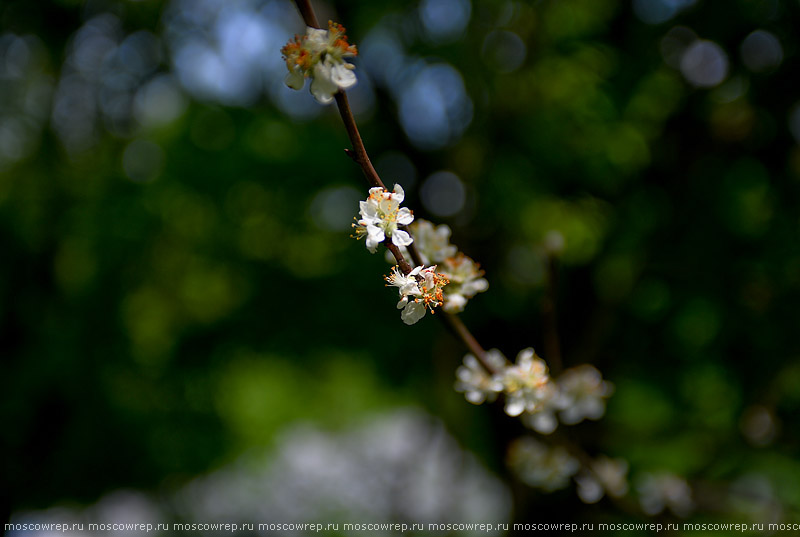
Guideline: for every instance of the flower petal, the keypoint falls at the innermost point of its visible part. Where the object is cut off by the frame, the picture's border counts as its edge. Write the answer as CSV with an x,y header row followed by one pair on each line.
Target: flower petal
x,y
398,193
514,407
295,80
375,236
343,76
322,88
404,216
454,303
413,312
401,238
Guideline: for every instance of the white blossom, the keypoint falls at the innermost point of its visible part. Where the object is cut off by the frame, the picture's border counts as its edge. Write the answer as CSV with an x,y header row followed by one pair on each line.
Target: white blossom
x,y
432,242
605,475
541,466
526,384
475,382
420,290
584,392
320,55
665,491
433,245
380,216
465,282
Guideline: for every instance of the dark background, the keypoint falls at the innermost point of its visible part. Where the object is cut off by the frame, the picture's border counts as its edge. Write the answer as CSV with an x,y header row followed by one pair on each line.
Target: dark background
x,y
178,283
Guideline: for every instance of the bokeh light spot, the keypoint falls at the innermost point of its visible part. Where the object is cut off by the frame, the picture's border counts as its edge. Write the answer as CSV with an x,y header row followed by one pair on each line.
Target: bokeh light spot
x,y
142,160
504,51
697,324
443,194
659,11
333,209
761,51
396,168
444,20
435,108
675,43
704,64
159,102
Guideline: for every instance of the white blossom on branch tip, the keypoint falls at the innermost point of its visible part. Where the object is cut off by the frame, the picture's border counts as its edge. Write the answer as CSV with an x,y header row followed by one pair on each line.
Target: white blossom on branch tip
x,y
380,217
320,55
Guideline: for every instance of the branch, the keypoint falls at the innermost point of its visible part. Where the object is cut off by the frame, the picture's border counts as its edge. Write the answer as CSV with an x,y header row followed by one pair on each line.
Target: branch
x,y
360,156
360,152
307,12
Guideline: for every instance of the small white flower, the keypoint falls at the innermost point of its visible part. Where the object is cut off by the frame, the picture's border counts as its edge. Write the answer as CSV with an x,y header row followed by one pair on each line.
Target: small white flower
x,y
612,474
584,392
661,491
433,245
420,290
320,55
380,216
547,468
465,282
473,380
605,475
526,384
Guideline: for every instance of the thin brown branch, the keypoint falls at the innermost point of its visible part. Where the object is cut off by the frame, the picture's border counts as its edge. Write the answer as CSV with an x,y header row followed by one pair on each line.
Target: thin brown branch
x,y
398,255
360,156
457,326
307,12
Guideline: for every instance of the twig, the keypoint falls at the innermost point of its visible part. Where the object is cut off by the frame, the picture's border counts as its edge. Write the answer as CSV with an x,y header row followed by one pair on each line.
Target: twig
x,y
307,12
360,156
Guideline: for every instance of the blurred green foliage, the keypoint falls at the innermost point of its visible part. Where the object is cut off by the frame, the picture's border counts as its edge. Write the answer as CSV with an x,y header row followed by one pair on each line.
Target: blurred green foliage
x,y
160,314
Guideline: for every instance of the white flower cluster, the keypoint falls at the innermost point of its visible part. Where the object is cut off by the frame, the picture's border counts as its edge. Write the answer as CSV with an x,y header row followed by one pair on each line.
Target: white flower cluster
x,y
465,281
320,55
604,475
665,491
550,468
526,384
473,380
380,216
465,275
541,401
420,290
541,466
583,394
